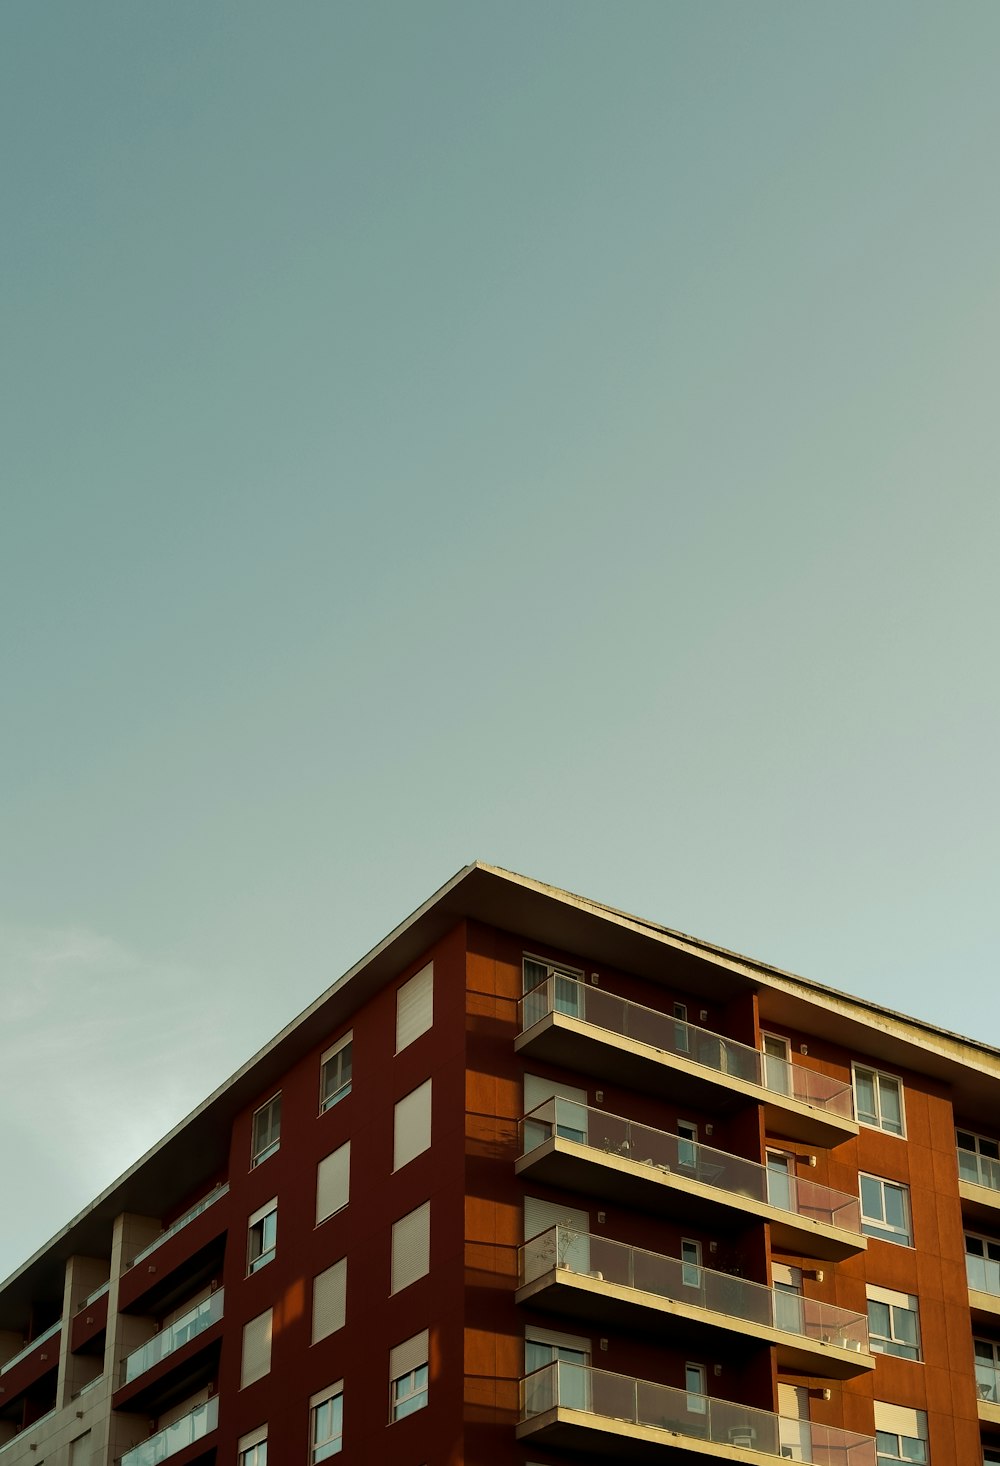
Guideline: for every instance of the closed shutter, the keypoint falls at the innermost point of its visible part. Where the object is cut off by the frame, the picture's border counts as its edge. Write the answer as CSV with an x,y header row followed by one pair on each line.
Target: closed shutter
x,y
537,1091
256,1348
411,1247
80,1452
900,1420
411,1125
539,1216
333,1182
415,1007
329,1300
408,1355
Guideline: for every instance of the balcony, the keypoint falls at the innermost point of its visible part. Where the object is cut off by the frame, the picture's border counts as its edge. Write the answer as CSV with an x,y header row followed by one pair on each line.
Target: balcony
x,y
174,1337
181,1222
33,1344
978,1176
564,1143
576,1408
173,1438
584,1028
579,1275
983,1275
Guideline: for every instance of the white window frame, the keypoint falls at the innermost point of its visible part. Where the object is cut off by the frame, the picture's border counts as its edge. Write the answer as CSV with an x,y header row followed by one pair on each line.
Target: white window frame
x,y
892,1425
690,1262
682,1038
330,1445
262,1240
335,1058
696,1388
687,1136
984,1160
776,1067
880,1228
251,1449
261,1149
878,1078
991,1392
409,1391
894,1342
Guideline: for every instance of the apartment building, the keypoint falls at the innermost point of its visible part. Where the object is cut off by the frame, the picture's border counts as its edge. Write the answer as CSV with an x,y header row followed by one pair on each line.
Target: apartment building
x,y
538,1182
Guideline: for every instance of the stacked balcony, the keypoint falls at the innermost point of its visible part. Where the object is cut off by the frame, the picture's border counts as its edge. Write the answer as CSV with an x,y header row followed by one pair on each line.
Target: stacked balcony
x,y
574,1407
570,1145
582,1276
564,1022
195,1426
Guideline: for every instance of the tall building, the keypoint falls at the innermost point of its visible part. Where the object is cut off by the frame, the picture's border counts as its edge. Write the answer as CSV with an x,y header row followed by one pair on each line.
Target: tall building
x,y
535,1182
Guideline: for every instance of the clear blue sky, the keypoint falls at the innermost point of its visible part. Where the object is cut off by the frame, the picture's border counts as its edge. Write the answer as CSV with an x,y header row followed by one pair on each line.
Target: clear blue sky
x,y
560,434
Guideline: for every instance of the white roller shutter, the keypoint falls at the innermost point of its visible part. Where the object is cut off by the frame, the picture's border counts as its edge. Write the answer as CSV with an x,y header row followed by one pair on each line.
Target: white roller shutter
x,y
256,1348
415,1007
408,1355
411,1247
333,1182
411,1125
329,1300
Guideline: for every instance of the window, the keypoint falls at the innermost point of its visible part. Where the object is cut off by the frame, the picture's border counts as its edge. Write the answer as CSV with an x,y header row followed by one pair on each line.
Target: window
x,y
571,1388
687,1143
682,1038
256,1349
987,1370
80,1453
408,1377
565,992
893,1323
251,1450
326,1423
786,1283
333,1182
266,1131
329,1301
335,1073
781,1188
694,1383
411,1125
263,1236
900,1434
690,1263
885,1210
411,1247
878,1100
982,1264
565,1109
414,1007
978,1159
777,1063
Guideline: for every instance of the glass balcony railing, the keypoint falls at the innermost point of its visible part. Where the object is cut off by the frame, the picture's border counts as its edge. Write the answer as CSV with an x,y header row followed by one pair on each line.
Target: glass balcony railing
x,y
983,1274
619,1398
32,1344
612,1262
725,1056
174,1337
983,1170
189,1216
173,1438
987,1374
612,1135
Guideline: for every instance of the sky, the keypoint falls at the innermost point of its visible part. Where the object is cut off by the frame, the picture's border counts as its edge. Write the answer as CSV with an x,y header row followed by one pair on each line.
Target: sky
x,y
563,435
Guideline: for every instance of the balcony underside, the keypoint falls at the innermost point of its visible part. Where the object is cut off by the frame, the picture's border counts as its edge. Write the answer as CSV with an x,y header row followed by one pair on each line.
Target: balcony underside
x,y
572,1044
574,1295
591,1172
979,1203
619,1440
